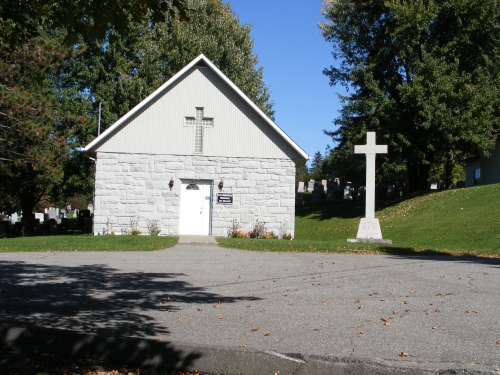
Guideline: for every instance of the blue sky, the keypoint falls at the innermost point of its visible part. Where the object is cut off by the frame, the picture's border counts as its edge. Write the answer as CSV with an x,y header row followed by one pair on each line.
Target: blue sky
x,y
293,55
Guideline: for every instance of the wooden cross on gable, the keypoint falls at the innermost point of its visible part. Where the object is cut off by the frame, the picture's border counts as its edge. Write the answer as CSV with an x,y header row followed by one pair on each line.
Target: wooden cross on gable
x,y
199,122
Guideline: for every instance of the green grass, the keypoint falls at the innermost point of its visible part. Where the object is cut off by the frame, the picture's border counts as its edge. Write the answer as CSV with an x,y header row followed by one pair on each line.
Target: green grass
x,y
86,243
455,222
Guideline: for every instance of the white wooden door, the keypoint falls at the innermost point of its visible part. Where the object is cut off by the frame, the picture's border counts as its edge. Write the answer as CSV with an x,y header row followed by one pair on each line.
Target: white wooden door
x,y
195,206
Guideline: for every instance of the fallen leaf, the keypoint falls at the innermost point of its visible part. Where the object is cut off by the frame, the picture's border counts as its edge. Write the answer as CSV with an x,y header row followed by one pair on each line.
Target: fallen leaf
x,y
412,291
157,338
404,354
357,301
262,310
360,333
199,309
382,300
178,318
497,342
220,317
243,346
437,310
434,328
406,302
472,312
216,306
267,333
254,329
395,312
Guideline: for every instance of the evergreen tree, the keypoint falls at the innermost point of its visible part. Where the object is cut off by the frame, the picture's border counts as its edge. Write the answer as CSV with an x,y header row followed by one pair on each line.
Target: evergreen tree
x,y
316,171
34,129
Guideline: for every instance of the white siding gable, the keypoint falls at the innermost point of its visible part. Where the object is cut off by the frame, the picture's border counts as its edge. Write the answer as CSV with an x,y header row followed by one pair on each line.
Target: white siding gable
x,y
159,127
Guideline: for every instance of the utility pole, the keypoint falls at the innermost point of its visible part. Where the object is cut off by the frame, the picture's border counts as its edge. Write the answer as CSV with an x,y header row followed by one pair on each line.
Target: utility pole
x,y
99,126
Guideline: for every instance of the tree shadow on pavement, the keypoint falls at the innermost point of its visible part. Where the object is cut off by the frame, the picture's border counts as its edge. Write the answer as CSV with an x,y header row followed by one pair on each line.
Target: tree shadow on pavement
x,y
100,301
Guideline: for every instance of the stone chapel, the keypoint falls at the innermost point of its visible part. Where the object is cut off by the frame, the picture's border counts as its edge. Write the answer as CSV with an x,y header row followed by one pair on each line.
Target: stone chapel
x,y
195,155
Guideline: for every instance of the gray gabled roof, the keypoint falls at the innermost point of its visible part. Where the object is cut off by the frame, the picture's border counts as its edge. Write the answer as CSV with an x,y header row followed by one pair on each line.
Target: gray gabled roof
x,y
92,146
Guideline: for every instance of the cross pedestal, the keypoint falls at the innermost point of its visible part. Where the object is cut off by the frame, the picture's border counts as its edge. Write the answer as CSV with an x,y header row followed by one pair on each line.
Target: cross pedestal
x,y
369,226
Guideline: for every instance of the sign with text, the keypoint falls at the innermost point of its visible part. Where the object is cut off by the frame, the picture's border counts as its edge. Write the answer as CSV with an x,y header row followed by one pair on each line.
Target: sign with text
x,y
225,198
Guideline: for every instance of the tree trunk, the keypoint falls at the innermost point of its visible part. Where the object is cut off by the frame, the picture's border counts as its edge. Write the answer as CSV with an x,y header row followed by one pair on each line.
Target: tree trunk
x,y
448,182
423,176
412,170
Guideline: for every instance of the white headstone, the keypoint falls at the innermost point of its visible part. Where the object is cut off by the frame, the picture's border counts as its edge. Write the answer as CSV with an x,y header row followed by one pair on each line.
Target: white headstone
x,y
39,216
13,218
53,213
324,183
369,226
301,187
310,186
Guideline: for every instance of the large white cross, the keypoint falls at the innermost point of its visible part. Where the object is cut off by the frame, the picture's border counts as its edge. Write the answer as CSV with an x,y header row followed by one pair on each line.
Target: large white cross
x,y
371,149
199,122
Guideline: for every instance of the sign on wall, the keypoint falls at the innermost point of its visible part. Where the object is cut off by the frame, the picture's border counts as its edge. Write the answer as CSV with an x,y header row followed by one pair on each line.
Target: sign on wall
x,y
225,198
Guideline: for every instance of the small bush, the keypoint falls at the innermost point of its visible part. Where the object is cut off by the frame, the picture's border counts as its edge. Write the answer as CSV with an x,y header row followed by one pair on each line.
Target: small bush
x,y
259,230
270,236
239,234
134,232
153,227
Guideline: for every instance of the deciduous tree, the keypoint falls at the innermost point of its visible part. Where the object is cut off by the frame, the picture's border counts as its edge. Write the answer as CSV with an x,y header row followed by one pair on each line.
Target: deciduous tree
x,y
424,76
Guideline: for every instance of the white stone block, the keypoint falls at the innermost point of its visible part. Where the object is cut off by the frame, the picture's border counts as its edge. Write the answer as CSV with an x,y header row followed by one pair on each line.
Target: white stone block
x,y
287,203
249,164
165,158
128,158
267,164
139,168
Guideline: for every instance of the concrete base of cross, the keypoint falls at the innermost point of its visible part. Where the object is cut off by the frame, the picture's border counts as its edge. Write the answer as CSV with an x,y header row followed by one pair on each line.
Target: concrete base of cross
x,y
369,232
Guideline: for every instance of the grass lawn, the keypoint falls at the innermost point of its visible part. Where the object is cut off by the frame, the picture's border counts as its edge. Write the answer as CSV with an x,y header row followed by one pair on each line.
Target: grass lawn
x,y
455,222
86,242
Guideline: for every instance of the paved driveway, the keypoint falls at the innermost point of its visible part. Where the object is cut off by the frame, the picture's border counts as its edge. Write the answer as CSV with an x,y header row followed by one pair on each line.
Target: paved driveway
x,y
426,312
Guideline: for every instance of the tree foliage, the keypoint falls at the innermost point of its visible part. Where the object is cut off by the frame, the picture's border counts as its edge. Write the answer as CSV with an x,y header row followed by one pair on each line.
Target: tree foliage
x,y
34,130
424,76
21,20
316,171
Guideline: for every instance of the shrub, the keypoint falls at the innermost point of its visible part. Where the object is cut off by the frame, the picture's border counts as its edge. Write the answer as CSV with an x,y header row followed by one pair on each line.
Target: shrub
x,y
153,227
239,234
259,230
270,236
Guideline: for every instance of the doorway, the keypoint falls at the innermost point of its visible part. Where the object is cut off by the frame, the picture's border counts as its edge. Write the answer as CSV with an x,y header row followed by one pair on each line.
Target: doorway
x,y
195,207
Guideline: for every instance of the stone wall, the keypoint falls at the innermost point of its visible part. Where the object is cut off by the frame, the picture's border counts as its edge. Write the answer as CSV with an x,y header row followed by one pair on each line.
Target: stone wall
x,y
129,185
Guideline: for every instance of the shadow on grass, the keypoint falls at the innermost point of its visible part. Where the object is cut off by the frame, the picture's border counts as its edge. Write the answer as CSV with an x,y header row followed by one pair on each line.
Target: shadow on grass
x,y
428,254
101,301
344,209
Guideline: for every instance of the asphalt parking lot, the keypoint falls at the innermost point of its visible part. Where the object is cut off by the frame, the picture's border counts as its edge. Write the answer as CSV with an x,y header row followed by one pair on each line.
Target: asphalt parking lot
x,y
249,312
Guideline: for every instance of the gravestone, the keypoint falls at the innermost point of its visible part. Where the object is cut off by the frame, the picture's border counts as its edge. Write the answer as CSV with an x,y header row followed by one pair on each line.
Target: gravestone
x,y
310,186
13,218
87,225
434,186
40,216
369,226
52,226
90,207
325,185
347,193
61,214
329,196
299,199
301,187
53,213
318,192
336,184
